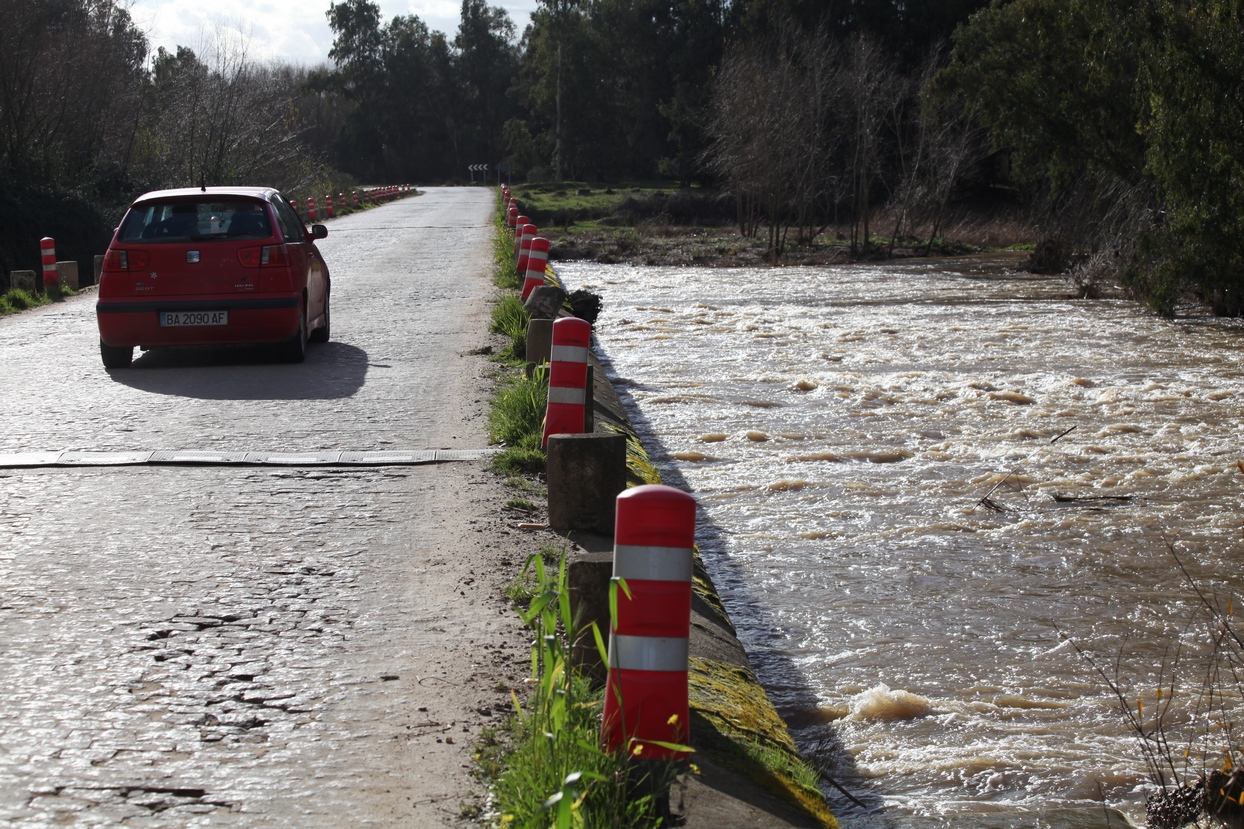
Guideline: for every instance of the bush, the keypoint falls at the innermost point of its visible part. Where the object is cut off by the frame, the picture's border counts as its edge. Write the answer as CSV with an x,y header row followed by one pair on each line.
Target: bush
x,y
556,775
516,420
510,319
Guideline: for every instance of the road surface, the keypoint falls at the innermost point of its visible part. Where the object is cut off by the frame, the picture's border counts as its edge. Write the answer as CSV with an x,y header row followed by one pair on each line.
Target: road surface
x,y
262,646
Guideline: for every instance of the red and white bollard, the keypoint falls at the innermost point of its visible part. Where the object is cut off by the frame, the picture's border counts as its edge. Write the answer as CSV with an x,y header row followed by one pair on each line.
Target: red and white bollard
x,y
47,249
646,692
311,207
341,201
511,214
567,378
354,197
328,205
520,222
524,247
537,262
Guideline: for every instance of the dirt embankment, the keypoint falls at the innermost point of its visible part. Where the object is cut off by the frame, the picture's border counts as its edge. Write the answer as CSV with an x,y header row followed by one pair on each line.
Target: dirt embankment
x,y
646,226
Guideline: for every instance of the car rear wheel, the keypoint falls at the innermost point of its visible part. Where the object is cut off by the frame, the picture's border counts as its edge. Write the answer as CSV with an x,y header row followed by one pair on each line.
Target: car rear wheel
x,y
294,350
320,335
116,356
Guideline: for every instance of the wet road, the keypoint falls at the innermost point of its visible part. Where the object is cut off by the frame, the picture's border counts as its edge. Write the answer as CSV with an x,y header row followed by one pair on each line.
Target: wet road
x,y
260,646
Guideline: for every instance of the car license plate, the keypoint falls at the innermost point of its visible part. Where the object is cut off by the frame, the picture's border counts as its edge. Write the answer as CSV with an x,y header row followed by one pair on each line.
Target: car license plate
x,y
173,319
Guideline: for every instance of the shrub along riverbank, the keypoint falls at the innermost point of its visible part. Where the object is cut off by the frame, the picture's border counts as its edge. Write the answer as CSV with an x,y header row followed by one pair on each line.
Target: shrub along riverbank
x,y
657,224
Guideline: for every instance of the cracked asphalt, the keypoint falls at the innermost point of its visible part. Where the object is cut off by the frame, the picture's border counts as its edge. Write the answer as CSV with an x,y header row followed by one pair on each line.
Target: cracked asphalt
x,y
262,646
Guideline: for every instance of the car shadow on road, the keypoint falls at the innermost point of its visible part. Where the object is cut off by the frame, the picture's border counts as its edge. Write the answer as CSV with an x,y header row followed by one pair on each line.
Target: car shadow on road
x,y
332,371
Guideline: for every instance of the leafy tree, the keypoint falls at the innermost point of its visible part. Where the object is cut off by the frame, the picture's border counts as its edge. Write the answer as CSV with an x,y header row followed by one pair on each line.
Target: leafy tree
x,y
1192,77
358,43
487,64
1056,89
70,79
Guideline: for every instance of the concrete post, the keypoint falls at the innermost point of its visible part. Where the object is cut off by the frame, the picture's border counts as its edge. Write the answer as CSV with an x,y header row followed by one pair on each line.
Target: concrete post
x,y
545,302
589,405
22,281
99,267
67,274
588,575
539,341
585,474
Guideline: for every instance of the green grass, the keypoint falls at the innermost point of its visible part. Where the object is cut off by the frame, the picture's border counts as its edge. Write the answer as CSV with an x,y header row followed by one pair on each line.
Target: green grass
x,y
510,319
545,765
525,586
566,207
506,278
14,301
516,421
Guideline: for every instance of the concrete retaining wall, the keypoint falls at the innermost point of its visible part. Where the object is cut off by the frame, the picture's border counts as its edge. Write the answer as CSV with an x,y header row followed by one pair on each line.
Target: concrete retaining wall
x,y
750,772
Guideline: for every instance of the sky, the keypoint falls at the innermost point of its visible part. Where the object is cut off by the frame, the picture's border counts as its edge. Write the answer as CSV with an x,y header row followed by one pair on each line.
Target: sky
x,y
288,31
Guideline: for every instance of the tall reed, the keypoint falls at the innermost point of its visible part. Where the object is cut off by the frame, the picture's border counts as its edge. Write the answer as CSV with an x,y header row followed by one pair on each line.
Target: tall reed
x,y
557,775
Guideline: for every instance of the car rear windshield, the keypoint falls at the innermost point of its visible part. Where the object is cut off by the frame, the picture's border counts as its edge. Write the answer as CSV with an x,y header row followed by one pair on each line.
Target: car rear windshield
x,y
196,221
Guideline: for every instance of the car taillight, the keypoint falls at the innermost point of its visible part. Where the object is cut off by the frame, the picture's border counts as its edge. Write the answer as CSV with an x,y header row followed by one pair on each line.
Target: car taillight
x,y
263,257
126,260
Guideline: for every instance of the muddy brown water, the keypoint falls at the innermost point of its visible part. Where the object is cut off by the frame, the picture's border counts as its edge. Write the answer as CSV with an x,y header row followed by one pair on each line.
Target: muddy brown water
x,y
904,540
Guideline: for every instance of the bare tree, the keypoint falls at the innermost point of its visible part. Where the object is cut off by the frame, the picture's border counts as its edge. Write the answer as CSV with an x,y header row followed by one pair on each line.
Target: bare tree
x,y
956,142
225,120
68,71
770,110
872,85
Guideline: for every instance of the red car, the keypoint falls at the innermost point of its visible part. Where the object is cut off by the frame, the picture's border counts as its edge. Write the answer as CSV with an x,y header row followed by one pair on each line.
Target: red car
x,y
210,266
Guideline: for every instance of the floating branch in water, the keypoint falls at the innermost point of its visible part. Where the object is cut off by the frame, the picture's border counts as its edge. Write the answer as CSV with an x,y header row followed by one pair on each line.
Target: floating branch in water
x,y
1093,499
989,504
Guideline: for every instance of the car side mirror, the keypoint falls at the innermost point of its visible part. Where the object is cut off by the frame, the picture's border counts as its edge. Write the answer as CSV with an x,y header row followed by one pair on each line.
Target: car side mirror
x,y
319,231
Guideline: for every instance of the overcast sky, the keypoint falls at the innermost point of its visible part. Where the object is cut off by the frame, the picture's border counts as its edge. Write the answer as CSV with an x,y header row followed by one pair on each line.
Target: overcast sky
x,y
292,31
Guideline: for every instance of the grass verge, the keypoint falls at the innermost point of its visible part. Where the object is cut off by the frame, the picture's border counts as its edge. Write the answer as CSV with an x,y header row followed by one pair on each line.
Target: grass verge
x,y
516,416
545,764
15,300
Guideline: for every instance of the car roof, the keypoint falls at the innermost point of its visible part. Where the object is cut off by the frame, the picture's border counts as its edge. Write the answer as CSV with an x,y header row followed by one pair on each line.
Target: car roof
x,y
264,193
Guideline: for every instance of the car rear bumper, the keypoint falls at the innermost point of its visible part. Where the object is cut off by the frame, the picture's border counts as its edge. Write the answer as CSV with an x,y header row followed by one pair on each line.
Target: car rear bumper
x,y
252,319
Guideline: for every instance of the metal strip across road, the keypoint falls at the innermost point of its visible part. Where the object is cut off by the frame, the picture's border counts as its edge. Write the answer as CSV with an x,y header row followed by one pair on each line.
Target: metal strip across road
x,y
30,460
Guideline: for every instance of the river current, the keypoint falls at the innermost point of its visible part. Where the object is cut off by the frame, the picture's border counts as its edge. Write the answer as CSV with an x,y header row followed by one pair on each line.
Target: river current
x,y
923,488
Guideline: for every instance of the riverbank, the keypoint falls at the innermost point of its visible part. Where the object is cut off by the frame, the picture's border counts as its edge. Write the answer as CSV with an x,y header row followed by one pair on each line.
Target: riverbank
x,y
746,770
750,772
648,224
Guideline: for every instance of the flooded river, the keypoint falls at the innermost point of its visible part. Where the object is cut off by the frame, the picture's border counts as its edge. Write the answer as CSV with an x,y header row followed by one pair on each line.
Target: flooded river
x,y
909,548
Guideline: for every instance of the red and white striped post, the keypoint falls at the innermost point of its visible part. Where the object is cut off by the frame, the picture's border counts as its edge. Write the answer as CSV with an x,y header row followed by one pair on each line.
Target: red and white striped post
x,y
537,262
328,205
311,207
354,197
511,213
47,250
524,247
567,378
519,223
646,692
341,201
